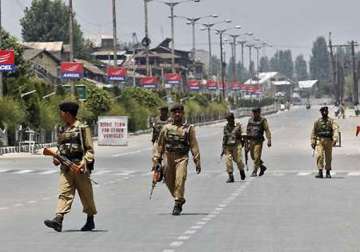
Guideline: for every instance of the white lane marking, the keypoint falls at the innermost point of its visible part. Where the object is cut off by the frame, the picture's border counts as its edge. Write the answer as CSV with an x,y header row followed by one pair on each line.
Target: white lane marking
x,y
4,208
190,232
23,171
48,172
101,172
32,202
18,205
196,227
130,152
303,173
354,174
176,244
201,223
4,170
183,238
45,198
168,250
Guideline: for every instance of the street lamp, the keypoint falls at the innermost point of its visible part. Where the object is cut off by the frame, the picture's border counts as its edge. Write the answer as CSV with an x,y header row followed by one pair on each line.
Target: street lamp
x,y
172,5
192,22
146,41
221,32
207,27
242,44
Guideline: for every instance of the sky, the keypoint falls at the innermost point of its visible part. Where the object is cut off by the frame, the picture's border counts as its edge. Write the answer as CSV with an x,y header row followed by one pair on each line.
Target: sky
x,y
286,24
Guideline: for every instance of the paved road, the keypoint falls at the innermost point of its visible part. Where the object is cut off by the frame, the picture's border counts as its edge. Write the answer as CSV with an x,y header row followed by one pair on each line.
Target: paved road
x,y
286,210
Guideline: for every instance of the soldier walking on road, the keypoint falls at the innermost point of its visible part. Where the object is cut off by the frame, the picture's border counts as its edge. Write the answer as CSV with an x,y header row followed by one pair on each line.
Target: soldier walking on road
x,y
232,147
255,130
175,141
74,143
158,124
324,136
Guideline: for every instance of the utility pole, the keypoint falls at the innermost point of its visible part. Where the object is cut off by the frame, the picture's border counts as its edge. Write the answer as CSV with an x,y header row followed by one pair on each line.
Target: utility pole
x,y
1,76
222,62
114,32
172,5
234,37
146,36
242,44
356,87
71,40
333,66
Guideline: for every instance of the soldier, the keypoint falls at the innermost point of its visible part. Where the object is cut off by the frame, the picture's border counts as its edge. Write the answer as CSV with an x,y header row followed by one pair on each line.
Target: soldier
x,y
324,136
232,147
158,124
256,127
175,141
75,143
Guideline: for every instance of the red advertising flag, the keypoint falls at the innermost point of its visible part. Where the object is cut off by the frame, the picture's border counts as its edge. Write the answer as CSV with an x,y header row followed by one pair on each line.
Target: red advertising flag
x,y
7,60
116,73
212,84
149,81
193,84
71,70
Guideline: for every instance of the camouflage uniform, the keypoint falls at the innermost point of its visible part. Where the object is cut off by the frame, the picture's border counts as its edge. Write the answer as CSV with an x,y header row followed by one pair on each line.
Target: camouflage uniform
x,y
323,136
76,144
232,147
175,141
255,131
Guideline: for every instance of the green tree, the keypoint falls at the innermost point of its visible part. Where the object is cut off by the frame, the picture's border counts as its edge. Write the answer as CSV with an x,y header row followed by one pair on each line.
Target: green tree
x,y
320,60
282,62
264,64
242,72
214,67
48,21
301,68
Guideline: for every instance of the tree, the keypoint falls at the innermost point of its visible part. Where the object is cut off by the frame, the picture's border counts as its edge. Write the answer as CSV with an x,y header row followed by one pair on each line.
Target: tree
x,y
48,21
264,64
320,60
301,68
282,62
242,72
214,68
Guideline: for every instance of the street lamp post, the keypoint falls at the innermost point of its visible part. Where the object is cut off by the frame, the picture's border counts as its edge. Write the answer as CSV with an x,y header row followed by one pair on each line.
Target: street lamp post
x,y
233,56
221,32
146,36
207,27
250,46
172,5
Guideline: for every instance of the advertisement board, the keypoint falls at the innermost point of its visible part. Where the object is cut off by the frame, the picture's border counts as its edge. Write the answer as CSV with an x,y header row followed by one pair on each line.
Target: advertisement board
x,y
7,61
112,130
212,84
149,82
172,79
71,70
116,73
193,84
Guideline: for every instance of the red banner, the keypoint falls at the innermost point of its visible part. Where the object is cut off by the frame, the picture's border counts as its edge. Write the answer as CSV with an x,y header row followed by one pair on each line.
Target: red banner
x,y
149,82
7,60
116,73
172,78
235,85
193,84
212,84
71,70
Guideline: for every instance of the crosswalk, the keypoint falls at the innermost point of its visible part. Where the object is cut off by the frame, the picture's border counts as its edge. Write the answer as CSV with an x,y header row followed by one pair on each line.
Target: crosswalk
x,y
127,173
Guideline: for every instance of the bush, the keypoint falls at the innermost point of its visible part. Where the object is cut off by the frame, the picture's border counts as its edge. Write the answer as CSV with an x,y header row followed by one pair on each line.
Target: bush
x,y
11,113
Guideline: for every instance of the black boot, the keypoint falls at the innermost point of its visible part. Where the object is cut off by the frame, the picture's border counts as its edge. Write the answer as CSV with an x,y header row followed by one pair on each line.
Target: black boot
x,y
320,174
55,223
90,224
242,175
328,175
230,179
177,209
262,170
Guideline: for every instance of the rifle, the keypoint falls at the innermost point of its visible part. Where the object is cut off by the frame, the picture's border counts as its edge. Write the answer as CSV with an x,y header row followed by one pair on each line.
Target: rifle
x,y
156,177
245,140
64,161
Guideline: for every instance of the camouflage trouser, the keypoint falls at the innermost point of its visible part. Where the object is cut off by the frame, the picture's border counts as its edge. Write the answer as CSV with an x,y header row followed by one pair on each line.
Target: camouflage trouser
x,y
68,183
233,154
323,151
175,175
255,152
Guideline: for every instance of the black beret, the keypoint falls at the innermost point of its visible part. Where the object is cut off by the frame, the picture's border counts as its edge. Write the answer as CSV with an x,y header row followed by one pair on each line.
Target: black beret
x,y
324,108
258,109
230,116
71,107
177,107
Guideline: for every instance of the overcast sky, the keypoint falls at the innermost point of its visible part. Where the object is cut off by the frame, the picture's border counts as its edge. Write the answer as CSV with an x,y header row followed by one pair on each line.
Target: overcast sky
x,y
286,24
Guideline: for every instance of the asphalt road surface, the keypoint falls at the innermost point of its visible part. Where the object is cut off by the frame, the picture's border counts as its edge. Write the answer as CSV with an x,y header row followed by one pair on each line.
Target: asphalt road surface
x,y
285,210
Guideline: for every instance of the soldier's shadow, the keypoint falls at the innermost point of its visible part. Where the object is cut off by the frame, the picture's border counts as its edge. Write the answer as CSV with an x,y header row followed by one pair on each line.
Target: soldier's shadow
x,y
78,230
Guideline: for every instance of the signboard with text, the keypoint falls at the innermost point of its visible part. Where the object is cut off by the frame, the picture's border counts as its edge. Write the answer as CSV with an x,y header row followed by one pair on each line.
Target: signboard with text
x,y
149,82
71,70
113,130
193,84
116,73
7,61
212,84
172,79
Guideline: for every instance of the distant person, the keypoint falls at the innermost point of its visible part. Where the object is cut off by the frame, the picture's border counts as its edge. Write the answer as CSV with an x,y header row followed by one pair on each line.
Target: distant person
x,y
232,148
256,127
324,136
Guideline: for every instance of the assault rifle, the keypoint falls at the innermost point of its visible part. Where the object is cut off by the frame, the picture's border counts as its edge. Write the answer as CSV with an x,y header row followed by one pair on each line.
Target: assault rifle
x,y
157,176
64,161
245,139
